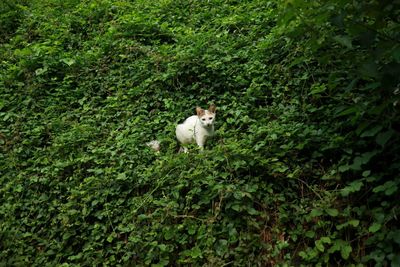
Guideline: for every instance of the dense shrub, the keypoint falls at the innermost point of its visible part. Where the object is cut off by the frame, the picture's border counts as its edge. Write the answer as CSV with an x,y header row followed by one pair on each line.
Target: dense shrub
x,y
304,169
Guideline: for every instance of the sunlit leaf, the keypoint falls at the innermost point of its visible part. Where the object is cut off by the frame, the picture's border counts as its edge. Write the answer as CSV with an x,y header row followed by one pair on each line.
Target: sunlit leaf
x,y
374,227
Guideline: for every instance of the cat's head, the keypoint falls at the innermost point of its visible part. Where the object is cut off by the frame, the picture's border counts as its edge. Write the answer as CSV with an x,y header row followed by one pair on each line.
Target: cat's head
x,y
207,117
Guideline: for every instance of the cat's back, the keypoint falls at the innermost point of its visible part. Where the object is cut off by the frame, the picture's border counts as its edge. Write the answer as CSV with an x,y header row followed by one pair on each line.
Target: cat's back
x,y
185,131
191,121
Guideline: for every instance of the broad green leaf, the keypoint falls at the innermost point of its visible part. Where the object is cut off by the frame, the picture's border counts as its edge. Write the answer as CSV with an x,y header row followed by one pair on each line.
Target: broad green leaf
x,y
372,131
351,188
169,234
344,168
358,161
238,195
310,234
111,237
395,261
395,236
354,223
375,227
121,176
389,188
303,254
337,244
192,229
317,89
68,61
236,207
348,111
296,61
320,245
345,250
316,213
332,212
369,69
362,159
383,138
252,211
344,40
40,71
396,54
341,226
162,247
366,173
326,239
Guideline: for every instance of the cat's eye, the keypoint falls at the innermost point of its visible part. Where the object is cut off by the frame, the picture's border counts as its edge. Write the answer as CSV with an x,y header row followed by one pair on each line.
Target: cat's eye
x,y
203,119
210,118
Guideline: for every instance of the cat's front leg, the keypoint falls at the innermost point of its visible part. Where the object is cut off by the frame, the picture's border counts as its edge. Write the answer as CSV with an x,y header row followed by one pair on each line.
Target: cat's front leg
x,y
201,140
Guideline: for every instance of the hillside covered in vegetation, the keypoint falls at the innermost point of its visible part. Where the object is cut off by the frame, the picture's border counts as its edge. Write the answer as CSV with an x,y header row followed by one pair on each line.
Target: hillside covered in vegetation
x,y
303,170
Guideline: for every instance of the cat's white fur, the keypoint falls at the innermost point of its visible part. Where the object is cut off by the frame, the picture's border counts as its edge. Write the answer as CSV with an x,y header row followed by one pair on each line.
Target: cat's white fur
x,y
197,128
155,145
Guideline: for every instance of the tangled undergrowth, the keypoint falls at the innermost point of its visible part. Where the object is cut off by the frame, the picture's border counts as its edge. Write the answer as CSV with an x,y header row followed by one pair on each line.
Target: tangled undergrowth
x,y
304,169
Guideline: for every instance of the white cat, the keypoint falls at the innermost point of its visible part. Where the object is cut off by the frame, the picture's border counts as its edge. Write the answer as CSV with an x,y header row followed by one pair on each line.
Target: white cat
x,y
197,128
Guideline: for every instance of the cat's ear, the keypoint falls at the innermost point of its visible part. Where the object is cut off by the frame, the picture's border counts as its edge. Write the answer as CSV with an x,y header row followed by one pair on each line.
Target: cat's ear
x,y
212,108
200,112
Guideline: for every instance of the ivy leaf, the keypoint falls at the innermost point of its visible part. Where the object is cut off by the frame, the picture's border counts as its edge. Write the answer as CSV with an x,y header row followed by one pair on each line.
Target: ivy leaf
x,y
383,138
362,159
236,207
332,212
372,131
344,40
388,188
315,213
354,222
366,173
354,186
335,247
395,260
317,89
310,234
344,168
375,227
396,54
169,234
395,236
111,237
68,61
320,245
369,69
162,247
121,176
192,229
326,239
345,250
40,71
390,191
252,211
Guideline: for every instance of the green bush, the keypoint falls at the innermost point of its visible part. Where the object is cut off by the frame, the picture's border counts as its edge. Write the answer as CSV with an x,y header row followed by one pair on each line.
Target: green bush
x,y
303,169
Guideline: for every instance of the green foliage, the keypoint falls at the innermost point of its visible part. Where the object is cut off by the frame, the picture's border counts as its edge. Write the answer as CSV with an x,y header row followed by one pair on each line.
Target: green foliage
x,y
303,169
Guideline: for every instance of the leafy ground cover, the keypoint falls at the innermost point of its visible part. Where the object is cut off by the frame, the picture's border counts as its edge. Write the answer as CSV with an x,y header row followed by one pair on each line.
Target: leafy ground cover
x,y
304,169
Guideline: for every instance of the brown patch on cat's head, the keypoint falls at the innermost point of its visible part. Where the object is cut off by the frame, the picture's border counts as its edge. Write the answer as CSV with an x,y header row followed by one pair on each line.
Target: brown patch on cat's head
x,y
200,112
